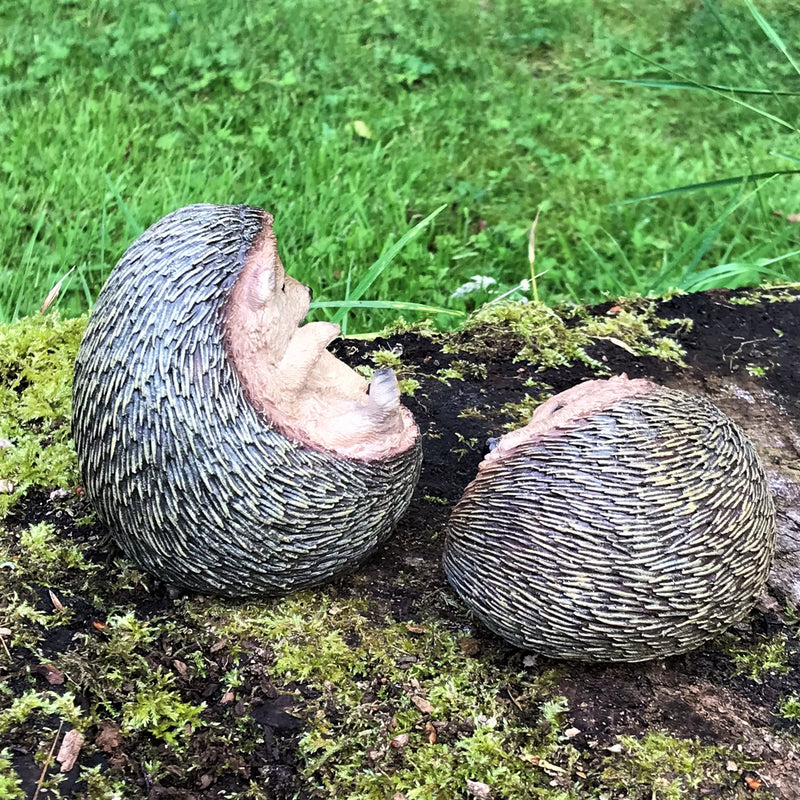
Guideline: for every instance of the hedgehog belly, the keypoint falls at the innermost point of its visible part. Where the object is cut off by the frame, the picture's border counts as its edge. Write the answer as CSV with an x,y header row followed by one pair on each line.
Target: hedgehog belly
x,y
638,532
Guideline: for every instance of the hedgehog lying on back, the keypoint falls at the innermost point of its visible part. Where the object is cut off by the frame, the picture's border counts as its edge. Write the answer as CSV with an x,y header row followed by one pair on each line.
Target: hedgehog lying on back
x,y
226,449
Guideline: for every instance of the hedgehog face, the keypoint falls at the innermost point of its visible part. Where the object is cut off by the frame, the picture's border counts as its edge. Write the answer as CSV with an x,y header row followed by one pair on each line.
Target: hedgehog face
x,y
266,304
288,374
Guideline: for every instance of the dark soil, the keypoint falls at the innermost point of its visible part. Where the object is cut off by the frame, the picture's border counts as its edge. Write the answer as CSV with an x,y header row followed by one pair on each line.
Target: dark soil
x,y
697,695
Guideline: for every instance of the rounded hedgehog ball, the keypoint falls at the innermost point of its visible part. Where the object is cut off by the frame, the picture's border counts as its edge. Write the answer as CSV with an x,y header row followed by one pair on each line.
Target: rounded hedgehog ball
x,y
626,521
222,444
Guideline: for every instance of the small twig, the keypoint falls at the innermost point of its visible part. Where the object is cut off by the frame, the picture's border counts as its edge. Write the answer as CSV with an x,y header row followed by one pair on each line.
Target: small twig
x,y
47,762
532,255
513,699
52,295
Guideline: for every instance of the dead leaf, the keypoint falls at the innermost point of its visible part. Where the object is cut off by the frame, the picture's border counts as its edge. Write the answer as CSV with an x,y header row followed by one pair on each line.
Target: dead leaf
x,y
180,668
4,443
53,675
109,738
479,789
6,486
548,767
399,796
217,646
469,646
401,740
100,626
227,697
422,704
360,128
416,628
57,604
431,731
789,217
52,295
5,632
70,750
752,783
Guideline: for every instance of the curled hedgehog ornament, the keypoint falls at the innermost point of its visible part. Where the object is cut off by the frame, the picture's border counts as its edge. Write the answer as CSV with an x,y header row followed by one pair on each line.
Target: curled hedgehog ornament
x,y
226,449
626,521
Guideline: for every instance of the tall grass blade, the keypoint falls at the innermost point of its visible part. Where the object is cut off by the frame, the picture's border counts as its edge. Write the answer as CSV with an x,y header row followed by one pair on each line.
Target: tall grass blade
x,y
27,260
388,304
771,33
135,226
724,274
374,272
653,83
695,187
706,238
731,97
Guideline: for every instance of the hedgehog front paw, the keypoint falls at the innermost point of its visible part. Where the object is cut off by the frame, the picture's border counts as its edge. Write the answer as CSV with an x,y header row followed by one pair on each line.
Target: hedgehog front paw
x,y
384,391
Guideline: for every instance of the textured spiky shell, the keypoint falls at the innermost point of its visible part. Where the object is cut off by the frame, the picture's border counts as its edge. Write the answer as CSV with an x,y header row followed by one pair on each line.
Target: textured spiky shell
x,y
637,533
194,484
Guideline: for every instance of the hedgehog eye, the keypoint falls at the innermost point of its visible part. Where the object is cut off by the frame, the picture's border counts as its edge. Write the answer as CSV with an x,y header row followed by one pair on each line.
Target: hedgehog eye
x,y
283,288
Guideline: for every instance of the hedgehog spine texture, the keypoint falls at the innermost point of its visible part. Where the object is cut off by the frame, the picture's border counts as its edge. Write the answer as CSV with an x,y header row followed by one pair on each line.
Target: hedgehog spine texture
x,y
637,533
194,485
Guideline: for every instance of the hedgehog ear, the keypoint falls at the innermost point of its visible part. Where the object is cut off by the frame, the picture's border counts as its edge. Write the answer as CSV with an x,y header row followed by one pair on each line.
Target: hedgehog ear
x,y
263,285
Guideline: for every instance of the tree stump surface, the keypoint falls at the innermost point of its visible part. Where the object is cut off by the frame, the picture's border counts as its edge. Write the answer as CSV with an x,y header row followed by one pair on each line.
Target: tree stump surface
x,y
741,351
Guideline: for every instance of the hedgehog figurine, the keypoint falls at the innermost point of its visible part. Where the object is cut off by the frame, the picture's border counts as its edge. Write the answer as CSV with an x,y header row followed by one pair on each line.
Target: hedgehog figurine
x,y
625,522
226,449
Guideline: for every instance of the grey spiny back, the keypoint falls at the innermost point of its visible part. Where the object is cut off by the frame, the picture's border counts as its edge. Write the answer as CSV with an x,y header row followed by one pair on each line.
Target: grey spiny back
x,y
194,485
637,533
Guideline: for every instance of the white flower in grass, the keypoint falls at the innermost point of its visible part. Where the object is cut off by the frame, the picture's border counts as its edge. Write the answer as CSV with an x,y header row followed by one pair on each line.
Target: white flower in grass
x,y
477,283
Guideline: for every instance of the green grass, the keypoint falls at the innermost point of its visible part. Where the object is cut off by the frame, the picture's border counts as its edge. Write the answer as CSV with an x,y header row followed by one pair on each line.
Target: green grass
x,y
353,121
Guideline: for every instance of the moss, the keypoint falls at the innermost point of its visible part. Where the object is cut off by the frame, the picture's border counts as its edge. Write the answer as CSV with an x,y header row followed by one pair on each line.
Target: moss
x,y
36,557
401,708
386,359
10,784
46,556
766,657
548,337
37,357
790,707
408,386
44,704
779,293
460,370
660,767
157,709
522,411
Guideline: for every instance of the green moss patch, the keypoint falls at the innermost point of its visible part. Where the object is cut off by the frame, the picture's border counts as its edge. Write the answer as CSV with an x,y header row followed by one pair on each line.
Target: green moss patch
x,y
553,337
37,357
